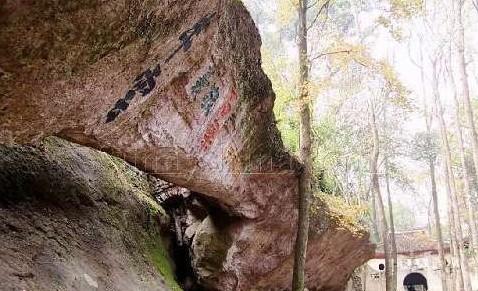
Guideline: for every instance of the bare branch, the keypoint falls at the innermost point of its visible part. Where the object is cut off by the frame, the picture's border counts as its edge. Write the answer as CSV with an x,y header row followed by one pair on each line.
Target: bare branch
x,y
420,66
325,7
329,53
360,63
312,5
475,3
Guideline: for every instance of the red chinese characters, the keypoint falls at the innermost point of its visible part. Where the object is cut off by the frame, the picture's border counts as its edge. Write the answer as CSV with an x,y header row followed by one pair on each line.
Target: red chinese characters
x,y
223,113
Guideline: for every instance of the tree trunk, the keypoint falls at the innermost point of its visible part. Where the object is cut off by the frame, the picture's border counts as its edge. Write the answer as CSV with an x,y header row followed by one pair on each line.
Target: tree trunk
x,y
436,213
365,275
457,276
463,77
431,167
356,279
451,186
375,233
466,175
381,217
393,243
475,4
298,283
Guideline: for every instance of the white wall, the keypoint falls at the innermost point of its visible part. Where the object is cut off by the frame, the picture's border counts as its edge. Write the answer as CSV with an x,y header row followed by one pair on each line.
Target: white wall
x,y
427,265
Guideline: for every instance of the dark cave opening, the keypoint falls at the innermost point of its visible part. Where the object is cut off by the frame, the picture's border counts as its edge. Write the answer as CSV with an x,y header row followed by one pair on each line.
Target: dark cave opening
x,y
184,208
180,250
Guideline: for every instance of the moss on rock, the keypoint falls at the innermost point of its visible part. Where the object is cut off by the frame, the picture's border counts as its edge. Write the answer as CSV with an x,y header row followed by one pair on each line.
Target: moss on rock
x,y
161,260
87,213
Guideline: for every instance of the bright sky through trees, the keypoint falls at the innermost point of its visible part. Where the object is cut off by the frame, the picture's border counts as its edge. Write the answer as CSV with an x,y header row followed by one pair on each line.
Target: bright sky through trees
x,y
384,33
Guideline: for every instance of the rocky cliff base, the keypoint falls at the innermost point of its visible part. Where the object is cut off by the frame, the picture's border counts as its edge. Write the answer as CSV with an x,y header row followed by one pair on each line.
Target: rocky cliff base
x,y
77,219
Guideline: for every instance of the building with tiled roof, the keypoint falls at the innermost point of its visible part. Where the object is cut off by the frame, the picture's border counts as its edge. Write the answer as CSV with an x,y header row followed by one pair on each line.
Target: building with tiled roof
x,y
418,264
413,243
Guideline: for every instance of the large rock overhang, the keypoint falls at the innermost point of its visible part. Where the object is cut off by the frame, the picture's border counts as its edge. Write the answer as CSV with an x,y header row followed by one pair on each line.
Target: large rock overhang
x,y
175,88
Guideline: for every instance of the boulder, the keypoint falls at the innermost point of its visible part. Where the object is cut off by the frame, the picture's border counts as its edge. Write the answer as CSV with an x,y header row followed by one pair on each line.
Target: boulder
x,y
175,88
77,219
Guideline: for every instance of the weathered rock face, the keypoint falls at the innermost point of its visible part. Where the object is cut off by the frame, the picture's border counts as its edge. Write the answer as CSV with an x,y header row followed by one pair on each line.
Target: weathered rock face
x,y
175,88
68,224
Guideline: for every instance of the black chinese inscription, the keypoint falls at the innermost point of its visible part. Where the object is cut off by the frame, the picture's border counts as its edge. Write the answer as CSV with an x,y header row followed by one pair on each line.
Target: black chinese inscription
x,y
186,38
209,100
145,82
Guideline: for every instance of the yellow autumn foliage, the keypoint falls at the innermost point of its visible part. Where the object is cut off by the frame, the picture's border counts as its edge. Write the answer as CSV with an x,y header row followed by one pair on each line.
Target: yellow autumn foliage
x,y
406,8
343,214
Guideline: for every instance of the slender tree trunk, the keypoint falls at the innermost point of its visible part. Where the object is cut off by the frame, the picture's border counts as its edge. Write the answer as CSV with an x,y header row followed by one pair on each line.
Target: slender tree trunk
x,y
466,174
393,244
463,79
431,167
382,221
451,184
364,276
356,278
376,235
298,281
441,249
457,276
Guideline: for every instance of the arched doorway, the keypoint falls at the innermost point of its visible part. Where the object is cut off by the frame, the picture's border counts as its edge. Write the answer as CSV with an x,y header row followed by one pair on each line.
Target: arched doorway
x,y
415,282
